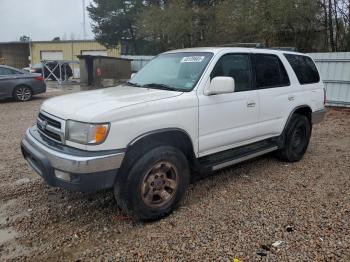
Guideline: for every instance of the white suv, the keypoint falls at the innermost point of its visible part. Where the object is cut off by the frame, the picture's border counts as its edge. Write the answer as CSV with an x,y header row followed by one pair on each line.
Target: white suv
x,y
187,111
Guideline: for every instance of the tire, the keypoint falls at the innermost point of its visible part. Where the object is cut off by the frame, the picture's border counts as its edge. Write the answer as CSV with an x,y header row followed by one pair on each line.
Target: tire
x,y
297,138
22,93
154,185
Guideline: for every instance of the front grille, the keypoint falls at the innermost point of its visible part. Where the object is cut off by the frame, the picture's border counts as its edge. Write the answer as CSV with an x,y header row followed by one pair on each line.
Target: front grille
x,y
50,134
50,121
50,127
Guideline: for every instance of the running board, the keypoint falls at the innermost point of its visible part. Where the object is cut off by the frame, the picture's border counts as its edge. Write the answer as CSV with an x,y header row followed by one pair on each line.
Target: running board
x,y
244,158
233,156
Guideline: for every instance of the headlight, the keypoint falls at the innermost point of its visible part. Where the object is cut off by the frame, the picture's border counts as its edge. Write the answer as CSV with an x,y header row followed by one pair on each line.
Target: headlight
x,y
86,133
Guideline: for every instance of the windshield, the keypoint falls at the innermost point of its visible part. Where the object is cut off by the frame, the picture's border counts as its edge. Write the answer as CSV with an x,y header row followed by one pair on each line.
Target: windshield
x,y
174,71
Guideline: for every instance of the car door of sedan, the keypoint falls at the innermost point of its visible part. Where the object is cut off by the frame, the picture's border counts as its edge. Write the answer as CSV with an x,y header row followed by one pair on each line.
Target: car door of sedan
x,y
7,82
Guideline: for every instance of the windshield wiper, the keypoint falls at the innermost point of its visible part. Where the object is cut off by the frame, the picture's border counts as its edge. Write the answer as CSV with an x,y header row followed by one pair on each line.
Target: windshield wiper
x,y
133,84
160,86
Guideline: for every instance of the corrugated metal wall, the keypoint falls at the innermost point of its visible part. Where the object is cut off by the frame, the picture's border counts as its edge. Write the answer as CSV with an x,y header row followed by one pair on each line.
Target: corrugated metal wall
x,y
334,69
15,54
137,62
335,72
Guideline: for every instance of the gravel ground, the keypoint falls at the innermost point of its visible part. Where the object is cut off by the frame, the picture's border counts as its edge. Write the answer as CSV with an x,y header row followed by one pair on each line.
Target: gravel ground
x,y
240,212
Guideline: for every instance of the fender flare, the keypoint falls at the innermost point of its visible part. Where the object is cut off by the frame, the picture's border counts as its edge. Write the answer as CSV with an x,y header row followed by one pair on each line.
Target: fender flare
x,y
176,137
281,139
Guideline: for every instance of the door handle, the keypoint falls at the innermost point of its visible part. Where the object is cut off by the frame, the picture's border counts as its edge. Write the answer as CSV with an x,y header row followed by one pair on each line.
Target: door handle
x,y
251,104
291,98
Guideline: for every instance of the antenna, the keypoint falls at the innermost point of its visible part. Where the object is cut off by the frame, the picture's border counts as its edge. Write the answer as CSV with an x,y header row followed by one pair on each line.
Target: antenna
x,y
84,21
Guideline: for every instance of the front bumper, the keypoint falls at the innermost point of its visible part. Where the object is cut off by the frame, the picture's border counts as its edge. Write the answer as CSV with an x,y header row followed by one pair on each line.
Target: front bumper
x,y
318,116
71,168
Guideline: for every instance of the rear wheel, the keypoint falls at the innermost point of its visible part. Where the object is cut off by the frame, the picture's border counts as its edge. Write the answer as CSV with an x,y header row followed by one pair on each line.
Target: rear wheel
x,y
297,139
22,93
154,185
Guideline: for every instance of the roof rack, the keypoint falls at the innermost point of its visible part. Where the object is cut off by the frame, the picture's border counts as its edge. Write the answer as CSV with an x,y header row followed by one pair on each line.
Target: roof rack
x,y
260,45
282,48
253,45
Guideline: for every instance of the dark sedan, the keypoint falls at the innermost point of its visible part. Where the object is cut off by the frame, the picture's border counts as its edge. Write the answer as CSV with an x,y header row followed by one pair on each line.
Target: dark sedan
x,y
19,84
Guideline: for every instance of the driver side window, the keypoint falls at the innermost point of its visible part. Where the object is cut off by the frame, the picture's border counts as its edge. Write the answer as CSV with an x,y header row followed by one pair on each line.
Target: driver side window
x,y
237,66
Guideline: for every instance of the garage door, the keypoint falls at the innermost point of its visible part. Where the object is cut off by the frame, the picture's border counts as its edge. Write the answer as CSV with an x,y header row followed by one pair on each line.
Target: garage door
x,y
51,55
95,52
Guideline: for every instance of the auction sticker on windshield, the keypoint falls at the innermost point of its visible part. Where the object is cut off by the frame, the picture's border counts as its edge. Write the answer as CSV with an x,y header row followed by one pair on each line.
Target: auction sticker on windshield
x,y
192,59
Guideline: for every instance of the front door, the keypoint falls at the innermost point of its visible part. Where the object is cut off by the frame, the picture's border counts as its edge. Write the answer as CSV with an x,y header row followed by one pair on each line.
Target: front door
x,y
229,120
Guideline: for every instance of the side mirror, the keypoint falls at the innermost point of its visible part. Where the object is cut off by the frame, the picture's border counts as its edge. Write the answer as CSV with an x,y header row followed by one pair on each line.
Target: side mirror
x,y
221,85
132,75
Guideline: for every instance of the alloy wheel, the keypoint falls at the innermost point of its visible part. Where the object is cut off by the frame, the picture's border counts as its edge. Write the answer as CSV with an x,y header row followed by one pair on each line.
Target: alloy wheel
x,y
159,185
23,93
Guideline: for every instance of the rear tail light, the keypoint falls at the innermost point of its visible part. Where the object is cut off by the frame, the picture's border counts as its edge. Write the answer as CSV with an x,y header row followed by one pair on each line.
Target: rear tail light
x,y
39,78
324,96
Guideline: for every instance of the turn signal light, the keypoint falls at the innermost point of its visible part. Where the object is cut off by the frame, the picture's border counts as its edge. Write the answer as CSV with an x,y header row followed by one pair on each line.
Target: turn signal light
x,y
101,133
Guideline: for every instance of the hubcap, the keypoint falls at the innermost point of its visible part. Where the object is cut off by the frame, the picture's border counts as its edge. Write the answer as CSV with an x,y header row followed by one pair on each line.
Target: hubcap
x,y
23,93
159,185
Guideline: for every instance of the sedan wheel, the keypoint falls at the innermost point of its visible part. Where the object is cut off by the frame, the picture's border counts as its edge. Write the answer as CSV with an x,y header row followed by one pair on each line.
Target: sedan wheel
x,y
23,93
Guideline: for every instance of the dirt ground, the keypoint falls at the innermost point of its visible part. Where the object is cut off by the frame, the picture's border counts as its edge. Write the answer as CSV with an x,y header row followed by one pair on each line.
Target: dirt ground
x,y
261,210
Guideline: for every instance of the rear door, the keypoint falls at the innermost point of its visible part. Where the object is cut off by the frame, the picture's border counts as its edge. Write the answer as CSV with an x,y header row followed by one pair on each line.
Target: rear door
x,y
7,81
276,94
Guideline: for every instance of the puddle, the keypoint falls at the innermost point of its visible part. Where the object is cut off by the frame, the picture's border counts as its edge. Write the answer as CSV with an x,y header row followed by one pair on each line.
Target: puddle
x,y
9,247
7,235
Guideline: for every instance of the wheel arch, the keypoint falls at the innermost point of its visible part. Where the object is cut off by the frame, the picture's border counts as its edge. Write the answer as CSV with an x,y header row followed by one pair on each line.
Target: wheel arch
x,y
175,137
302,110
19,85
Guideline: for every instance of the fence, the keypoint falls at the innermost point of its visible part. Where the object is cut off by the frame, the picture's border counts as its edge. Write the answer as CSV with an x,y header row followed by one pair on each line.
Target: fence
x,y
137,62
335,72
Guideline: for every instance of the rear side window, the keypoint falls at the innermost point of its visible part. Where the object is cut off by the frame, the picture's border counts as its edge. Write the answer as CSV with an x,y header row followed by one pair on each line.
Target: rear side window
x,y
6,71
270,71
304,68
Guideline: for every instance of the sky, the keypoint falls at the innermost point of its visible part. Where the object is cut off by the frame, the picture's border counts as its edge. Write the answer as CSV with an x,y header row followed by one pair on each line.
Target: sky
x,y
43,19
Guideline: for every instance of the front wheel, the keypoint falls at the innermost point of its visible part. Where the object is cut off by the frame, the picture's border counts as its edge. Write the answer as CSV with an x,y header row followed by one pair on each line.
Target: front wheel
x,y
297,139
154,185
22,93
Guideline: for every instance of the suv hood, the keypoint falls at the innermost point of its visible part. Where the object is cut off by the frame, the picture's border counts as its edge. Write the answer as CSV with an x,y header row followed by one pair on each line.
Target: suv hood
x,y
86,105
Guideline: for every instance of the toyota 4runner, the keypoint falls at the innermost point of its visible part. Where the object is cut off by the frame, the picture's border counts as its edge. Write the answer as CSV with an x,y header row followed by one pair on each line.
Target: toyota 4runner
x,y
187,111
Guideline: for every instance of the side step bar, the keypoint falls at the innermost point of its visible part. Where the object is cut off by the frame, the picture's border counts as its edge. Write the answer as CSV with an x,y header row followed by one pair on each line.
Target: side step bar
x,y
233,156
244,158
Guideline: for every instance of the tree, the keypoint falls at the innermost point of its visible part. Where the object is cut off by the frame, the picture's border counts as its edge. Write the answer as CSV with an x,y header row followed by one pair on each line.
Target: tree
x,y
153,26
24,38
157,25
115,21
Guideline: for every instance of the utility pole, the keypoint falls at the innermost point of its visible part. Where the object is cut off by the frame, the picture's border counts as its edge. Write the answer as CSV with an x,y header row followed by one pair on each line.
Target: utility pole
x,y
84,21
30,52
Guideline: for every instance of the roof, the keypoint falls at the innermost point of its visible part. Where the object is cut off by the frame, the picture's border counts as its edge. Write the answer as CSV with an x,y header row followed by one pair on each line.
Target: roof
x,y
14,43
49,42
217,50
103,57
